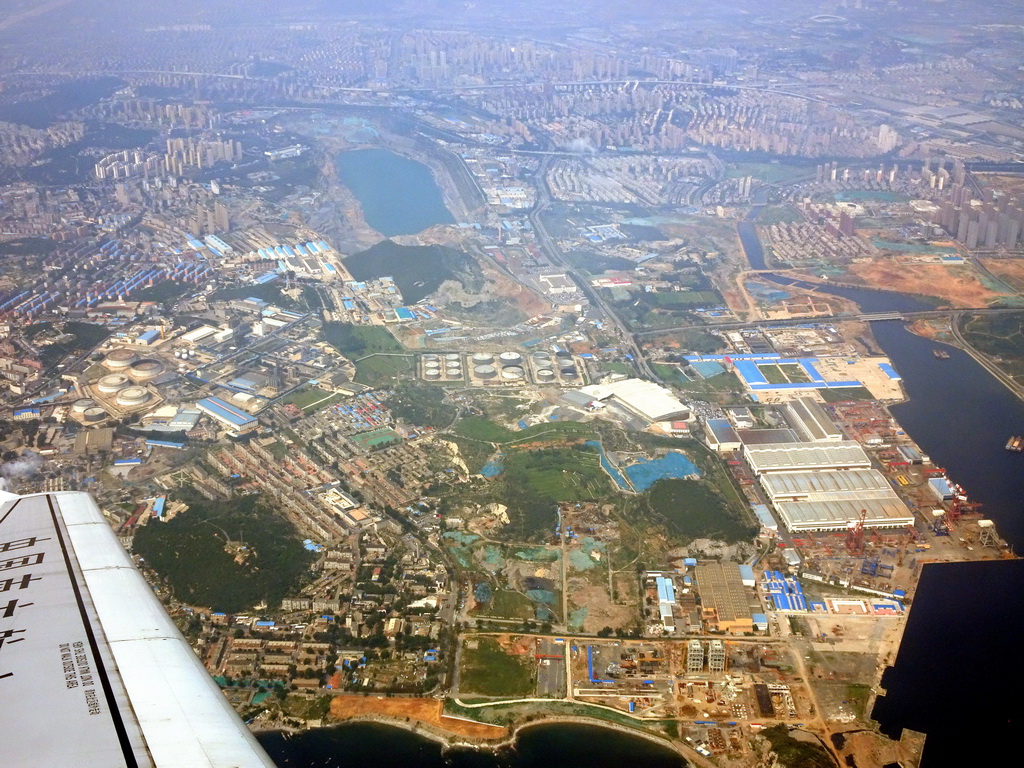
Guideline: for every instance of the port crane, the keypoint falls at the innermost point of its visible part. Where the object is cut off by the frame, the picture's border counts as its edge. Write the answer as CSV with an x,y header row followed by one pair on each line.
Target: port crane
x,y
855,535
960,507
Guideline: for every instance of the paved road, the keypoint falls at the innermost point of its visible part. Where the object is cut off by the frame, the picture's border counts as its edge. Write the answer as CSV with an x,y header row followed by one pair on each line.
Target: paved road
x,y
983,360
933,313
554,255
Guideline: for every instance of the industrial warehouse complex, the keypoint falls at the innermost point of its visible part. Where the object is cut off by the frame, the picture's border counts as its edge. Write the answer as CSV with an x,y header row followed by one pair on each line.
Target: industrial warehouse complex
x,y
815,479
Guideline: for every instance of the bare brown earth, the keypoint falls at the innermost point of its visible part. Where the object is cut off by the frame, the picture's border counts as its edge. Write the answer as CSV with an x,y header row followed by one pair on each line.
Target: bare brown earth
x,y
1008,183
869,748
958,285
601,611
923,328
426,711
1009,270
528,302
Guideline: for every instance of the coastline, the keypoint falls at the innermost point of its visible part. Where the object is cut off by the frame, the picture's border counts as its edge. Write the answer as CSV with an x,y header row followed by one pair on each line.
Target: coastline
x,y
452,740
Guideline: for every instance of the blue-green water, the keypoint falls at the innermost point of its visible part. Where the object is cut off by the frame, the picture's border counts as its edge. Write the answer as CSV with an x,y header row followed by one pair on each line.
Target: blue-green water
x,y
646,472
610,468
398,195
494,466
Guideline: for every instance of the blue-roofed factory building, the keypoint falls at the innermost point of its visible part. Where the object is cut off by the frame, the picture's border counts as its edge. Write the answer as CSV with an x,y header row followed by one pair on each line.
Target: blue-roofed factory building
x,y
226,414
149,337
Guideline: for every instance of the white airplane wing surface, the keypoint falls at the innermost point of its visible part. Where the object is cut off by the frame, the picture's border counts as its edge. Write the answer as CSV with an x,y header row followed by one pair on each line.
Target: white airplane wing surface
x,y
93,672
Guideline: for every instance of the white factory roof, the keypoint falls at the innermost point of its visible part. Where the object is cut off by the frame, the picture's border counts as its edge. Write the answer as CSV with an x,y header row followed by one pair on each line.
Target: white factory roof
x,y
815,486
838,515
645,398
810,418
780,457
100,674
198,334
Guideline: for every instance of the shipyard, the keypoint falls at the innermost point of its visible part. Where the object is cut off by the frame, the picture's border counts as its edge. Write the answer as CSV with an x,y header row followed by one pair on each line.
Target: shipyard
x,y
461,377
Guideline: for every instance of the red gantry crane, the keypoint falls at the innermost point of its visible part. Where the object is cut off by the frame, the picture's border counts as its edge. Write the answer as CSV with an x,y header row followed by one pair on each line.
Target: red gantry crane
x,y
855,535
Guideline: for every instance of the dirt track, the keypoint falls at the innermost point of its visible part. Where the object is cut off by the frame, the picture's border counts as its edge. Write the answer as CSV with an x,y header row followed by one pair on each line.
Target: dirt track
x,y
426,711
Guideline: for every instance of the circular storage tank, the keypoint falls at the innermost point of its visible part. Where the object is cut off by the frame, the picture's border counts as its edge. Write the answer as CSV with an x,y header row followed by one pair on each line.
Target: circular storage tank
x,y
83,405
513,373
566,365
453,372
483,358
541,357
144,370
453,358
570,373
130,397
431,358
112,382
431,365
485,372
119,359
432,374
510,358
94,414
545,374
563,354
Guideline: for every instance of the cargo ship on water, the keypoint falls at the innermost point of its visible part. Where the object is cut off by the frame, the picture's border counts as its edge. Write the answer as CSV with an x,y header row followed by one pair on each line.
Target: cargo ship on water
x,y
941,354
1015,444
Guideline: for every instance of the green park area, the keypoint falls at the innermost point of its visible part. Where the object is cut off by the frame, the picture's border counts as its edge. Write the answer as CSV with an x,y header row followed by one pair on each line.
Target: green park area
x,y
422,405
508,714
268,292
534,481
1000,337
487,670
380,360
418,270
770,173
479,428
70,337
311,398
354,341
226,555
690,509
557,474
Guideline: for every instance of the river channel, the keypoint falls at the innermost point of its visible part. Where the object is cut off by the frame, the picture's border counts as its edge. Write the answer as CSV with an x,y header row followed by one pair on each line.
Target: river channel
x,y
958,675
958,413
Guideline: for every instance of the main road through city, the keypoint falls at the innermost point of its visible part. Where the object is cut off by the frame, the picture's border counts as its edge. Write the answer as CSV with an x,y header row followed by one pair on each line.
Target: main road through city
x,y
554,255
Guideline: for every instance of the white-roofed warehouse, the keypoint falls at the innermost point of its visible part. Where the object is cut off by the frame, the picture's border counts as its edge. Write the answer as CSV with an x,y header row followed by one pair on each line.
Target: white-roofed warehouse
x,y
832,500
838,515
643,398
832,484
796,457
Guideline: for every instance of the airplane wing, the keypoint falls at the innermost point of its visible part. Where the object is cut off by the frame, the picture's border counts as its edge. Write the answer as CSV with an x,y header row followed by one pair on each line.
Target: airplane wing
x,y
93,672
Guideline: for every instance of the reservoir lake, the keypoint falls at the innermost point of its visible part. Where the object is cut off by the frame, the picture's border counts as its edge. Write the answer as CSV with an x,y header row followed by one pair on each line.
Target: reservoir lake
x,y
398,195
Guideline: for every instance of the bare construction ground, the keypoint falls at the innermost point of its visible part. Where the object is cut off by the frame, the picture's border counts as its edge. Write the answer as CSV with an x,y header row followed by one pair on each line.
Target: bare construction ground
x,y
426,711
959,286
